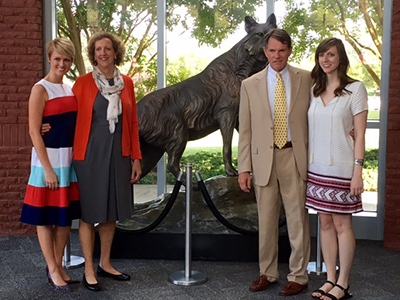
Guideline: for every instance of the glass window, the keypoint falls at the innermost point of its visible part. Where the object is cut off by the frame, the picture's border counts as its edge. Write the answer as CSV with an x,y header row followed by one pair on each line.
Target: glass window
x,y
200,32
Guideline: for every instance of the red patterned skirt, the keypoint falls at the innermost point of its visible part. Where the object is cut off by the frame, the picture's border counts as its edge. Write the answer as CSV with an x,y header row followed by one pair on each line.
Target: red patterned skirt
x,y
331,194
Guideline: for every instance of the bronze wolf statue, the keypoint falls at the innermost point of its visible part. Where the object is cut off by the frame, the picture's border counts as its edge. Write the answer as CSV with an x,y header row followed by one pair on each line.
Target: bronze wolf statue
x,y
202,104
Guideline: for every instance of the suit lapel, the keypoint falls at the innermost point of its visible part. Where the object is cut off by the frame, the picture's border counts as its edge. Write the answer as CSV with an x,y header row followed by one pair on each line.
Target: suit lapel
x,y
295,82
260,87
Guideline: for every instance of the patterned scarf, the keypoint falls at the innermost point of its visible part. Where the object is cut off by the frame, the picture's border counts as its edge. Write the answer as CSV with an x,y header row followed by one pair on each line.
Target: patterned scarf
x,y
111,93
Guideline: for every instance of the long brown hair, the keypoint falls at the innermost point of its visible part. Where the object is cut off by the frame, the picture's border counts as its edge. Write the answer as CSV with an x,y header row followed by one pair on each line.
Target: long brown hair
x,y
319,76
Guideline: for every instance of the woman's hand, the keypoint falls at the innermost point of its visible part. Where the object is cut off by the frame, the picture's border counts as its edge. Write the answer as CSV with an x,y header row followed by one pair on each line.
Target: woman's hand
x,y
45,128
51,179
136,171
356,185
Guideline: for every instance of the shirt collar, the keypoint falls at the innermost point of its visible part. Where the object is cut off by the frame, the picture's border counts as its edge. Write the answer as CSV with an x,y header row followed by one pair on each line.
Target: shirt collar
x,y
272,72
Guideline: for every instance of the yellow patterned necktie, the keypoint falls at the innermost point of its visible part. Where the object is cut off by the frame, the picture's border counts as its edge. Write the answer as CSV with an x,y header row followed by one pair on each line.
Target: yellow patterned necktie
x,y
280,116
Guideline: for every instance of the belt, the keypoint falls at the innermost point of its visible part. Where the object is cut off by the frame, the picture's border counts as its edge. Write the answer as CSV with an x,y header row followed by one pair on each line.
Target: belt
x,y
287,145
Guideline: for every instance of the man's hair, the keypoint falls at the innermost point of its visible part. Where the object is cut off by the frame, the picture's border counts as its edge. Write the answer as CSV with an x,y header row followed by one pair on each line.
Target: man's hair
x,y
280,35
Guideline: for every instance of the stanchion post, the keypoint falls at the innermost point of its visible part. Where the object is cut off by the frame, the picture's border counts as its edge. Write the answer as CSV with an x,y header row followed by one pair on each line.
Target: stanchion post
x,y
188,222
71,261
188,276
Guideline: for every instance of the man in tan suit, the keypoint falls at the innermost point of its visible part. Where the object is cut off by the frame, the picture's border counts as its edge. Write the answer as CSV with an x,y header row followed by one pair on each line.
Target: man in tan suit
x,y
279,173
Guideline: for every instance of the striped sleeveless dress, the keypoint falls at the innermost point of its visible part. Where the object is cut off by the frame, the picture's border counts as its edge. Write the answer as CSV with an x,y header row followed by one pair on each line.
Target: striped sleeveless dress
x,y
43,206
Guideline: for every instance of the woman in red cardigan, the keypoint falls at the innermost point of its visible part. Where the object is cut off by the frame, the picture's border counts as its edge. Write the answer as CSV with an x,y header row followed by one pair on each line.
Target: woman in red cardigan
x,y
106,152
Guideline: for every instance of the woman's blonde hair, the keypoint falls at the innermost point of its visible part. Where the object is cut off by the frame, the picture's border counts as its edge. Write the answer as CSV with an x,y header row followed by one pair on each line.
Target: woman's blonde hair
x,y
61,45
118,46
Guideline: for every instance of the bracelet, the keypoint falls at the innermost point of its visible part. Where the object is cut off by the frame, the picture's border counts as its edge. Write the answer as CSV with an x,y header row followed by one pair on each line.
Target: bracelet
x,y
359,162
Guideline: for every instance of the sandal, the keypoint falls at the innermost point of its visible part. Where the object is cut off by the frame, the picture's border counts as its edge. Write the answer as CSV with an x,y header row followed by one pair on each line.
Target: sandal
x,y
346,295
322,292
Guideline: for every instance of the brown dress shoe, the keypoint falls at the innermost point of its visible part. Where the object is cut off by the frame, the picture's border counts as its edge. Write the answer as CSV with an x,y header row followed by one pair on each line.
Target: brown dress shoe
x,y
260,284
292,288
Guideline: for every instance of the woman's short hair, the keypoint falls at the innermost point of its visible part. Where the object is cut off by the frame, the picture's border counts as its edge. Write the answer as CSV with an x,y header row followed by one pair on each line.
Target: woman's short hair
x,y
117,44
61,45
280,35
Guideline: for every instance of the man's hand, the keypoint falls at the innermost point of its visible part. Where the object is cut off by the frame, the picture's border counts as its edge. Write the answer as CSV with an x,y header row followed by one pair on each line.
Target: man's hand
x,y
351,133
244,180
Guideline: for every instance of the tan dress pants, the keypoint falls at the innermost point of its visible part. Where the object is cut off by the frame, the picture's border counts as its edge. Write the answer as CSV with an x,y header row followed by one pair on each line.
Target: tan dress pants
x,y
285,186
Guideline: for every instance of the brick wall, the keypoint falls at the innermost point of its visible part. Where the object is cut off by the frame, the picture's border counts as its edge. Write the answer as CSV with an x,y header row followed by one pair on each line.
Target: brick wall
x,y
21,65
392,192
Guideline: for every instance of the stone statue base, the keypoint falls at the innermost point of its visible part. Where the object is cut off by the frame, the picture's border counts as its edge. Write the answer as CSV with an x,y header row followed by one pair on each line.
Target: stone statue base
x,y
211,239
237,207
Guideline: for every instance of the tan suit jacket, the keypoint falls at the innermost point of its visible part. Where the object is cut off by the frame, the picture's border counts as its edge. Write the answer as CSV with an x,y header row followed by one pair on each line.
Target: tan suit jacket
x,y
256,134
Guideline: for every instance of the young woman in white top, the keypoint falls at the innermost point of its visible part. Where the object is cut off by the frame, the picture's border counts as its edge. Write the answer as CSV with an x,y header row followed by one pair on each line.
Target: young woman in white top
x,y
334,186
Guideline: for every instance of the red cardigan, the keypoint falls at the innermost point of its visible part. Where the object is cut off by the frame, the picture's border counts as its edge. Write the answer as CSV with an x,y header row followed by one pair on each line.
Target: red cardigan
x,y
85,90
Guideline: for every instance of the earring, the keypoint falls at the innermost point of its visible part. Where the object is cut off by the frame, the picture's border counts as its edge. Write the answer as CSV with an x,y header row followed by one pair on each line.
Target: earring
x,y
95,62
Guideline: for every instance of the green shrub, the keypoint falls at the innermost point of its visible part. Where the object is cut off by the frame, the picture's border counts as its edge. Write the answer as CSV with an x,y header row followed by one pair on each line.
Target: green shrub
x,y
210,164
370,177
370,171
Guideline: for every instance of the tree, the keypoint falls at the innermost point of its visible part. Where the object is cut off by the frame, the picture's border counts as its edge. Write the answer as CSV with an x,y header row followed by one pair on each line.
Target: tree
x,y
360,22
177,71
135,23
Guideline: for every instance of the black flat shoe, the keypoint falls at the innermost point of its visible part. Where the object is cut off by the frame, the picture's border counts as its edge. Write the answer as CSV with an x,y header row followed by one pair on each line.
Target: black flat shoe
x,y
95,287
120,277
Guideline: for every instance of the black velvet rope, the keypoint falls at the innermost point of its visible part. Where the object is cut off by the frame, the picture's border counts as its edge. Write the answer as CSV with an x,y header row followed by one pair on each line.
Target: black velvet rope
x,y
164,213
215,211
209,203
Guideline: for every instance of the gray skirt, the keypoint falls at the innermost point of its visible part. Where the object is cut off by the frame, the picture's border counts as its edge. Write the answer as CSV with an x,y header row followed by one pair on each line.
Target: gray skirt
x,y
104,176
